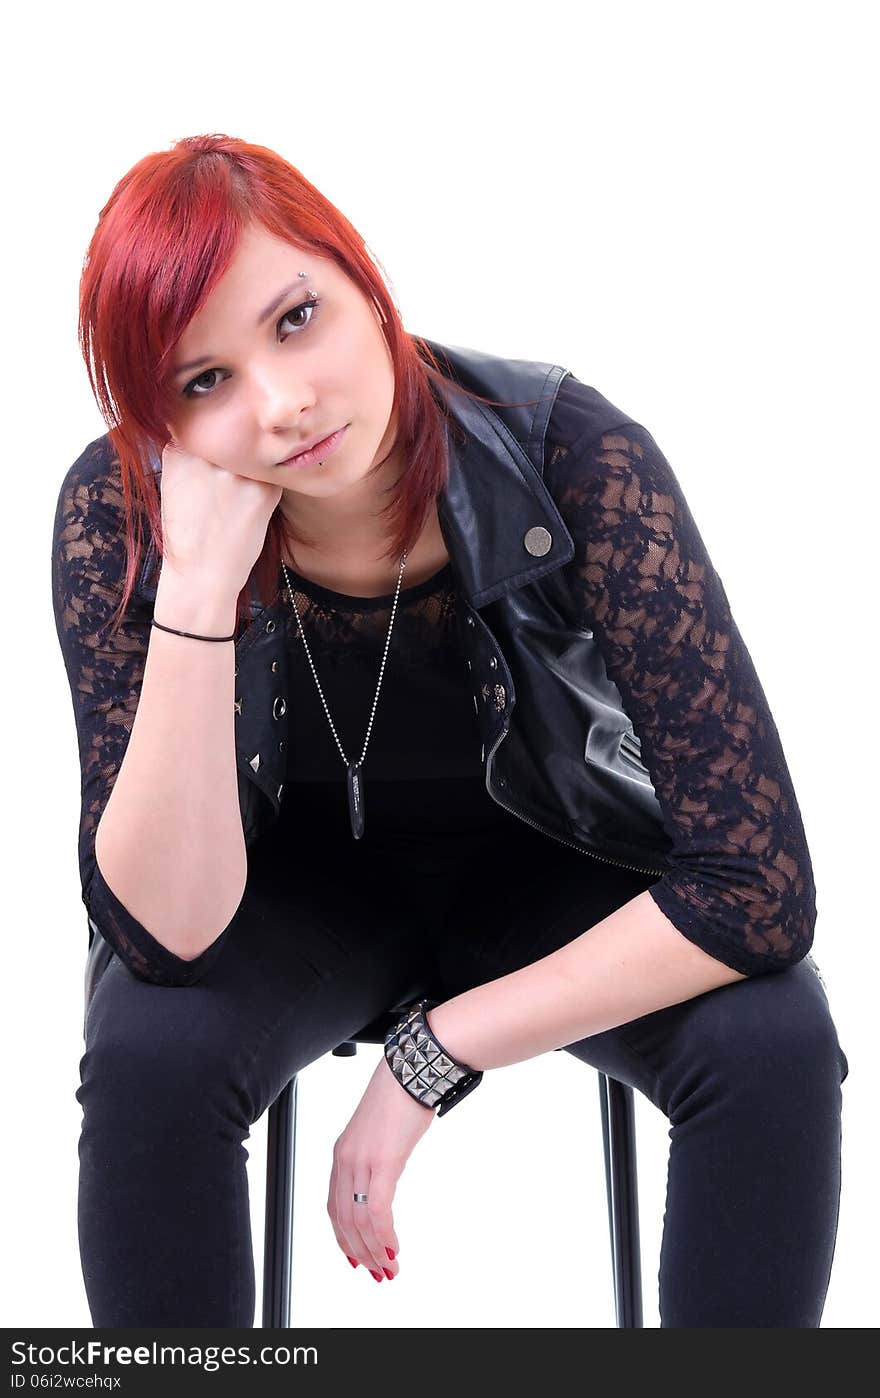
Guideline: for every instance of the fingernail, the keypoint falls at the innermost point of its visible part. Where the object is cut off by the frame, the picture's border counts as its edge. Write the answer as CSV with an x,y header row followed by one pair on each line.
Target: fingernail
x,y
377,1275
391,1254
352,1261
389,1275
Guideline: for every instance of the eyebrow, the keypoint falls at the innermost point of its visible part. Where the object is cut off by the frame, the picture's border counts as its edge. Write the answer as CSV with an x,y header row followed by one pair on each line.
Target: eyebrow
x,y
261,319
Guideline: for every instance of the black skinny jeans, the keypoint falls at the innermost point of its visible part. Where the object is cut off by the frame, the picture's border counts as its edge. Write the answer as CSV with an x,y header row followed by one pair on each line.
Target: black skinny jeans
x,y
172,1078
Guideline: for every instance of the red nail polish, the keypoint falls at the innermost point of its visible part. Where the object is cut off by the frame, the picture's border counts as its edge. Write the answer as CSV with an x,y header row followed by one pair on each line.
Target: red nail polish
x,y
389,1275
377,1275
352,1261
391,1254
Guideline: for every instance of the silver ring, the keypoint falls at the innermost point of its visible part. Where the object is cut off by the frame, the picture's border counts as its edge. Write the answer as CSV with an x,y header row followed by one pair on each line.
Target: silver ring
x,y
360,1198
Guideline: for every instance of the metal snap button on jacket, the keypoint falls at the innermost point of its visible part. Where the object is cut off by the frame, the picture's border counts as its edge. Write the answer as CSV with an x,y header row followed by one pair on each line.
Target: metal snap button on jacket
x,y
538,540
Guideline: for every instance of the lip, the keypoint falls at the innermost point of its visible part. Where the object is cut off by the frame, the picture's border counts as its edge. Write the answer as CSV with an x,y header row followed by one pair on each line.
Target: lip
x,y
317,452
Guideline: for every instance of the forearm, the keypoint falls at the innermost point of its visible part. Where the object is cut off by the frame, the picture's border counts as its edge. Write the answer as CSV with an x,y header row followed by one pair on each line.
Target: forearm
x,y
631,963
169,844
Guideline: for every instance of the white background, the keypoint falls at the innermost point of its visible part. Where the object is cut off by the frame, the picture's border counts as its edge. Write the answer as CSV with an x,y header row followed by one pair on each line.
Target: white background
x,y
673,201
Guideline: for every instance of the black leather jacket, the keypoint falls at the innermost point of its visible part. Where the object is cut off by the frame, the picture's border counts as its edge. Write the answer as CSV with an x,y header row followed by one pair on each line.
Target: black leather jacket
x,y
506,540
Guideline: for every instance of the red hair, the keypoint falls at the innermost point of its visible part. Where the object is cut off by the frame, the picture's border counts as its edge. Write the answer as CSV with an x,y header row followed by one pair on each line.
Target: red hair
x,y
163,240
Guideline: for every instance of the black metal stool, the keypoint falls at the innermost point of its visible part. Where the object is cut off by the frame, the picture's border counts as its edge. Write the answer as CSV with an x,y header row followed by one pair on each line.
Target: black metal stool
x,y
618,1139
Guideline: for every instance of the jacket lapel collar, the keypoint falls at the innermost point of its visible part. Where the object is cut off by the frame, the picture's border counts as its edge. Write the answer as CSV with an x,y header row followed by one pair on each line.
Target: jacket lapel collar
x,y
493,498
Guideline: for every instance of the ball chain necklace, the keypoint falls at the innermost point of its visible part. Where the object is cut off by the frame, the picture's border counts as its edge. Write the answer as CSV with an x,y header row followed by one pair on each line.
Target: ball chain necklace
x,y
353,769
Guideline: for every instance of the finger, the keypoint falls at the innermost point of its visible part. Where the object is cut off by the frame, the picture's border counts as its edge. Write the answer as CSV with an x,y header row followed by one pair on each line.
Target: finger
x,y
377,1263
346,1211
373,1220
382,1237
355,1219
346,1244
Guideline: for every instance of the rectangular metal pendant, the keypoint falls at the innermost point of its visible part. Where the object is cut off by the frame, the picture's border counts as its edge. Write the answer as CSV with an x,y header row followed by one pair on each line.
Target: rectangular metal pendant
x,y
355,800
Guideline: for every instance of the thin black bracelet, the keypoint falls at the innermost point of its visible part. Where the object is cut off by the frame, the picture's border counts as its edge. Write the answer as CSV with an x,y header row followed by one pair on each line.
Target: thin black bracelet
x,y
191,634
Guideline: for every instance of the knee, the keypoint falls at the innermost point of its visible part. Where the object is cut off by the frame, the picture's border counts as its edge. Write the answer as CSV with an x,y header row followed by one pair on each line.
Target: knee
x,y
165,1062
771,1033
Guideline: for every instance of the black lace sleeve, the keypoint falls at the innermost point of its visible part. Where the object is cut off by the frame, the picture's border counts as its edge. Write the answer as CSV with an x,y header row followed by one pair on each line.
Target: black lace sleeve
x,y
741,883
105,676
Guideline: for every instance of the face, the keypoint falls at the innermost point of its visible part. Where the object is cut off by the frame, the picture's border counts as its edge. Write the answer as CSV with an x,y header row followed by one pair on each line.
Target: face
x,y
265,390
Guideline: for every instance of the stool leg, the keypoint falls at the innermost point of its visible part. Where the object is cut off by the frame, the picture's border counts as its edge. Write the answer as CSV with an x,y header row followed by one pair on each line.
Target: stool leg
x,y
278,1238
619,1142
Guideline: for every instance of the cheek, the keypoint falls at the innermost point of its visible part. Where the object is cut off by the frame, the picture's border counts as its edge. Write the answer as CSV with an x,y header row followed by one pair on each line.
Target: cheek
x,y
217,443
365,372
374,387
225,434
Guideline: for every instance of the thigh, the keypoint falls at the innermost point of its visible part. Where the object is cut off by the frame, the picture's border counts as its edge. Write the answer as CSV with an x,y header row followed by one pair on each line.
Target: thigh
x,y
771,1036
309,960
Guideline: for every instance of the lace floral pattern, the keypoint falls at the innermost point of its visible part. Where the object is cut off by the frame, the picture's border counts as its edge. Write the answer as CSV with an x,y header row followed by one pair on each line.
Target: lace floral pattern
x,y
337,626
741,885
105,677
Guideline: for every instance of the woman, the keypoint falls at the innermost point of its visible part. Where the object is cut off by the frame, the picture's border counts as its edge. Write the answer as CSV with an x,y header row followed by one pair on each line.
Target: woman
x,y
328,803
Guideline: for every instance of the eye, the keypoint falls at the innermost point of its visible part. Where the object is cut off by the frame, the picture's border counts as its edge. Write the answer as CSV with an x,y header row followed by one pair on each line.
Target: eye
x,y
192,389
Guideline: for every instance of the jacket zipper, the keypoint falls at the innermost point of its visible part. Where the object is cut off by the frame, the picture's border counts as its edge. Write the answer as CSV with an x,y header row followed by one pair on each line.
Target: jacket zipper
x,y
605,858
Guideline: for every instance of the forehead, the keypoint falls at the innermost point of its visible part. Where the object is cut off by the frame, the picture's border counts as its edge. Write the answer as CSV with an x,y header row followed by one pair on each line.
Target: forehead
x,y
263,273
260,255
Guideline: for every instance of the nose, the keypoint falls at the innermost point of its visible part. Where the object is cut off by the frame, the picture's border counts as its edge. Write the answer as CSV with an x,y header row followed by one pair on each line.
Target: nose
x,y
280,398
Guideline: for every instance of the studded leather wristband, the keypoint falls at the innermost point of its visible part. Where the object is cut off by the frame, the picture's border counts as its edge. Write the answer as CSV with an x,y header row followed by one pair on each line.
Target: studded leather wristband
x,y
423,1066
